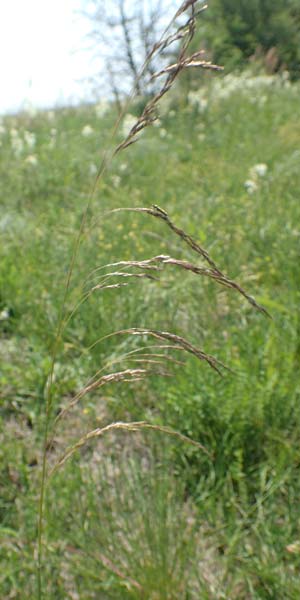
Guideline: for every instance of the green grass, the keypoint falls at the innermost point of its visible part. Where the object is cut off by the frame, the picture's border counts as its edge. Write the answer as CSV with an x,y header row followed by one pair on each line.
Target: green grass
x,y
244,503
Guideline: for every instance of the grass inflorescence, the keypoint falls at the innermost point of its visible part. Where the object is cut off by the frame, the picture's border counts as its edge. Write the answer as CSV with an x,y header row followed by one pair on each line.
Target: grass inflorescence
x,y
148,117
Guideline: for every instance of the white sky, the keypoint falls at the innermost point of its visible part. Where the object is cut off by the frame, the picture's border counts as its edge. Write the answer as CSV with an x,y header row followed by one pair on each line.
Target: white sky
x,y
43,59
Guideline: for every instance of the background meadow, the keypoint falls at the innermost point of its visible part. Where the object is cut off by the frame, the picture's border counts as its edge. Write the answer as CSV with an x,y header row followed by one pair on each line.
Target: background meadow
x,y
136,515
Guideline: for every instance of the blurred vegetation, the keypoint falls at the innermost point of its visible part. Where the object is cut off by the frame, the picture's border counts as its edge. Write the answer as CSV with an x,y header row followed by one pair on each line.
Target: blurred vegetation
x,y
264,31
226,168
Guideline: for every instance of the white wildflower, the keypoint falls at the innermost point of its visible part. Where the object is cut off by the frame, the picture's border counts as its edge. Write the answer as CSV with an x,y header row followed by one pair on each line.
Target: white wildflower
x,y
116,180
87,130
251,186
52,141
30,109
162,133
128,123
123,167
93,170
4,314
51,115
253,87
101,109
193,98
202,104
259,170
17,143
31,160
262,100
198,100
285,78
30,139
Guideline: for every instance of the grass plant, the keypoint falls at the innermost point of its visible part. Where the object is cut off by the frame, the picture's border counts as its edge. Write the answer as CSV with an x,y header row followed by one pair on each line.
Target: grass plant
x,y
238,501
185,34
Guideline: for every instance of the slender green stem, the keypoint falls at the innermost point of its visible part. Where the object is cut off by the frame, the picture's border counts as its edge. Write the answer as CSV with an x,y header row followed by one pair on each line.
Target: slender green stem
x,y
107,158
49,398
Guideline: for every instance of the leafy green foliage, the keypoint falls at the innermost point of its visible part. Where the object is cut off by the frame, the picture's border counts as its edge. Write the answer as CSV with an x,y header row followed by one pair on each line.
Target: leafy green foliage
x,y
266,29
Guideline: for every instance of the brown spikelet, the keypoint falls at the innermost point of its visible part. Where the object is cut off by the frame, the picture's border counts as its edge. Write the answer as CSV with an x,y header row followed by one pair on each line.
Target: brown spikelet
x,y
185,33
214,272
126,375
177,341
133,426
190,62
